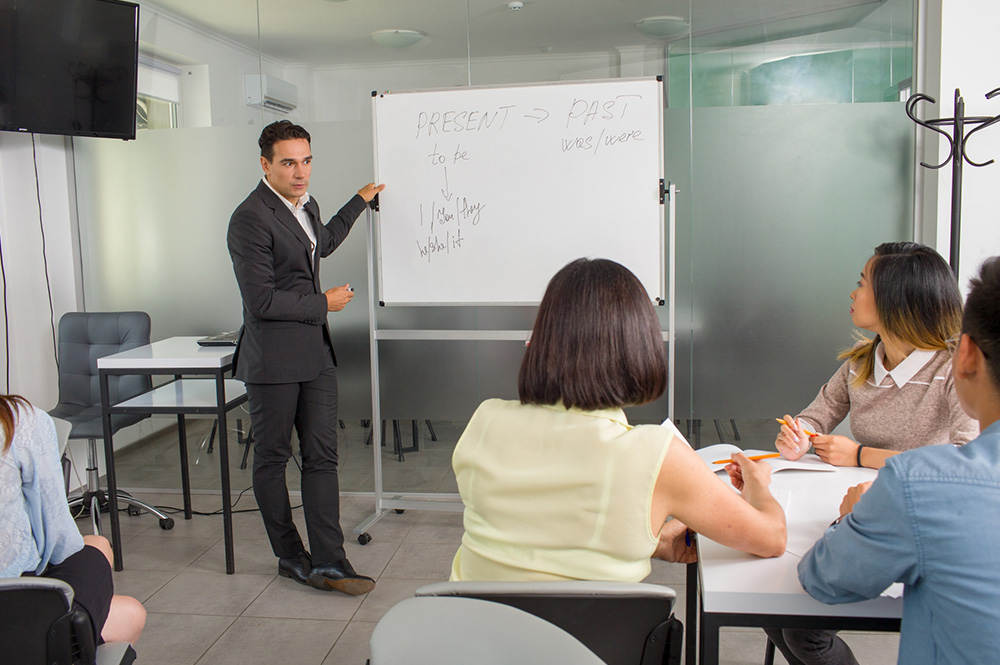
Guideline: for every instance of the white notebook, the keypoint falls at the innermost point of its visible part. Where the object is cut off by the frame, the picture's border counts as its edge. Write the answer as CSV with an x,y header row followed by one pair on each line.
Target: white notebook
x,y
712,456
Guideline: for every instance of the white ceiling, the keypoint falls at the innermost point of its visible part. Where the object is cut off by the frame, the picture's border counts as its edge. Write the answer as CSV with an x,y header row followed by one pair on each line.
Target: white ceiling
x,y
325,32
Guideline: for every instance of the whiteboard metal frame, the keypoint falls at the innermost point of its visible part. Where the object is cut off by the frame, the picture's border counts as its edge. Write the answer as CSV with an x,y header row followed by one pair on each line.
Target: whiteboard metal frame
x,y
451,502
378,244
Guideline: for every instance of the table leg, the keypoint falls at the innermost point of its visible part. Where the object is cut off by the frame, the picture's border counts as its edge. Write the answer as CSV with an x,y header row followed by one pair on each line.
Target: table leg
x,y
691,615
227,506
185,471
109,461
709,641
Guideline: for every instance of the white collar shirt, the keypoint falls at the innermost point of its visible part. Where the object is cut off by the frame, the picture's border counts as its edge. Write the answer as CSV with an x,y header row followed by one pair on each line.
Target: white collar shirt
x,y
904,371
300,214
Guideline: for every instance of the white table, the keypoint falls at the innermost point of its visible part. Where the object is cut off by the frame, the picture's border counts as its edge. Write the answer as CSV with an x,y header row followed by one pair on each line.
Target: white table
x,y
214,395
739,589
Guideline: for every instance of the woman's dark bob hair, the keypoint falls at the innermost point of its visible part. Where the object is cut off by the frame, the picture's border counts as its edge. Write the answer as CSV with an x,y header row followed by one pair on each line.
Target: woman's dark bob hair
x,y
596,343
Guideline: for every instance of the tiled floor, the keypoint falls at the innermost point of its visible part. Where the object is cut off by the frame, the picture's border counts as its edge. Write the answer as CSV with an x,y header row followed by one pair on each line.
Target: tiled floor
x,y
198,614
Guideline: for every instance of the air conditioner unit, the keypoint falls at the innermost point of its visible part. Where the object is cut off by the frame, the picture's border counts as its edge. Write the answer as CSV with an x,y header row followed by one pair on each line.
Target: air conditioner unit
x,y
271,93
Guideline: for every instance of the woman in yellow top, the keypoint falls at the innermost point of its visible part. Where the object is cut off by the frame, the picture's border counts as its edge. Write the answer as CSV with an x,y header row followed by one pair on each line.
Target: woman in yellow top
x,y
559,486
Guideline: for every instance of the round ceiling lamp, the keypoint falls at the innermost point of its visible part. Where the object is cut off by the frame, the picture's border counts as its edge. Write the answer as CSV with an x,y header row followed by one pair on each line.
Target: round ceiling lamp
x,y
394,38
663,27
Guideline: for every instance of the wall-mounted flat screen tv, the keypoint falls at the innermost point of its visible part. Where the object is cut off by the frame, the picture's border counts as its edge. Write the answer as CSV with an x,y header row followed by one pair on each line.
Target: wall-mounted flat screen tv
x,y
69,67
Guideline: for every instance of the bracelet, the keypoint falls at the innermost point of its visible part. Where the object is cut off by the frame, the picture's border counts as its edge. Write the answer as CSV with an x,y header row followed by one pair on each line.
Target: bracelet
x,y
860,447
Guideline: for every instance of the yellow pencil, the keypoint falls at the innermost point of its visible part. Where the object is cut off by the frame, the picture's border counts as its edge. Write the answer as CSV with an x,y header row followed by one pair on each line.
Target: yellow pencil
x,y
808,433
752,459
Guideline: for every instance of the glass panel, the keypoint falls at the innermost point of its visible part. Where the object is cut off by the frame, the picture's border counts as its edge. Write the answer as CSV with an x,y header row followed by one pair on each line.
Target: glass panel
x,y
787,181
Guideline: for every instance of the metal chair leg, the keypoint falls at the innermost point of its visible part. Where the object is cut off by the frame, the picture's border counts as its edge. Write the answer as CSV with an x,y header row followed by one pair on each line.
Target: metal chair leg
x,y
430,428
769,653
211,437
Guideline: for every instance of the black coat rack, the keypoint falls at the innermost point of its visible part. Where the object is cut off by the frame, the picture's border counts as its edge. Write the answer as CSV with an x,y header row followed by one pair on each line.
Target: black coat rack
x,y
958,139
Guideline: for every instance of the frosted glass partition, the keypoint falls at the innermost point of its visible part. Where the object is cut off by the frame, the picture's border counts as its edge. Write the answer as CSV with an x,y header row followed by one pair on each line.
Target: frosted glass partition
x,y
788,203
153,217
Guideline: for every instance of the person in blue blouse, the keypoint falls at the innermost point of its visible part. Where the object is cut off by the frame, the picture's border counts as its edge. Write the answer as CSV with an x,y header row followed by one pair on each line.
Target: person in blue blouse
x,y
37,533
929,519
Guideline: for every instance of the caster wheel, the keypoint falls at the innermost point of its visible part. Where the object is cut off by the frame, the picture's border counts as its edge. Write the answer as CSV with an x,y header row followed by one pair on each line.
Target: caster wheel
x,y
167,523
400,511
364,538
134,511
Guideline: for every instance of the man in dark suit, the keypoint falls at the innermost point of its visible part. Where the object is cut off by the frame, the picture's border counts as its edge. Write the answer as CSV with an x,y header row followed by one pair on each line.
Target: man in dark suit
x,y
285,354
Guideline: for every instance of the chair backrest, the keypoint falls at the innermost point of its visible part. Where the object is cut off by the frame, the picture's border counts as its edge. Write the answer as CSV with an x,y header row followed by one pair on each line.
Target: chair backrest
x,y
40,624
623,623
37,620
458,631
83,338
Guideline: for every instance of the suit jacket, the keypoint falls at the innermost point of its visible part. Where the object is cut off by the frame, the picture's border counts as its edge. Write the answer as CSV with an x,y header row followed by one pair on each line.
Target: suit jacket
x,y
285,330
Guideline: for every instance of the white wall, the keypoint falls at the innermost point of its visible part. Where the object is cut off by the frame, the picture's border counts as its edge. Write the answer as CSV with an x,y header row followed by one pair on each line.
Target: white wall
x,y
965,53
22,228
209,64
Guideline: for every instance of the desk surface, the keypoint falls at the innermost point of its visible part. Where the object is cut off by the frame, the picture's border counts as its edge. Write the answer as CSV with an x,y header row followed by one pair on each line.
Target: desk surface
x,y
169,354
740,583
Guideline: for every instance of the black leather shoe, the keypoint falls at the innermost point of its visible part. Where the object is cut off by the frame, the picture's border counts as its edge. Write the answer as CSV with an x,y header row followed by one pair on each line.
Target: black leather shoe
x,y
339,576
296,567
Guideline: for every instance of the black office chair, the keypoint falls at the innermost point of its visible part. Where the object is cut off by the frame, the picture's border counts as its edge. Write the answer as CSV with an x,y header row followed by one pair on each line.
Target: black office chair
x,y
83,338
624,624
41,625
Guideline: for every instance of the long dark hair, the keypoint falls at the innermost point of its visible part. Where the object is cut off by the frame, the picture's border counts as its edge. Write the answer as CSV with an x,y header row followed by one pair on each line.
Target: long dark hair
x,y
8,407
596,343
917,301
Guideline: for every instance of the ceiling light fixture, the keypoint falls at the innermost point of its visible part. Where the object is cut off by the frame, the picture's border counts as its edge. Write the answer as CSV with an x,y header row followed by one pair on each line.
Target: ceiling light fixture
x,y
663,27
397,38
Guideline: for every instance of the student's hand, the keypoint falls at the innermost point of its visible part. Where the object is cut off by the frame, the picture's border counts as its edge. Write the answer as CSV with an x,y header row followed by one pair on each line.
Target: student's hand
x,y
852,497
836,450
746,475
673,545
369,191
338,297
792,441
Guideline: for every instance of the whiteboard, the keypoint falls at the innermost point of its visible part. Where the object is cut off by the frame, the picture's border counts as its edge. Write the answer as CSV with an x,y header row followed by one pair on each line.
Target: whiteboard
x,y
491,190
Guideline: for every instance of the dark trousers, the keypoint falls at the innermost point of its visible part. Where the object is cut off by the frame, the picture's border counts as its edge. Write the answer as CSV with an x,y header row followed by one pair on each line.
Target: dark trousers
x,y
811,646
311,408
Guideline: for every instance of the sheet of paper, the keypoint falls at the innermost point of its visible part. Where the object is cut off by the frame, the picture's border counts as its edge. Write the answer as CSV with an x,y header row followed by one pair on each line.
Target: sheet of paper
x,y
712,455
894,591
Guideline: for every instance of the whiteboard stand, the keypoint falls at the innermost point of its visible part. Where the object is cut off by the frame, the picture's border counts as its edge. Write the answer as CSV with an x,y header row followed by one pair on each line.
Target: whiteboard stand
x,y
450,501
464,166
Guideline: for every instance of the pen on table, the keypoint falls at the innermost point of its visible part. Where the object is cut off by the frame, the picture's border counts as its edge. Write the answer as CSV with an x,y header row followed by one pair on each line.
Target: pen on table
x,y
808,433
752,459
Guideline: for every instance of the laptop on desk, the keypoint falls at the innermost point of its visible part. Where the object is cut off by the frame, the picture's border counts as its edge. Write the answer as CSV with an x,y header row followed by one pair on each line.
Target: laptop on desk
x,y
222,339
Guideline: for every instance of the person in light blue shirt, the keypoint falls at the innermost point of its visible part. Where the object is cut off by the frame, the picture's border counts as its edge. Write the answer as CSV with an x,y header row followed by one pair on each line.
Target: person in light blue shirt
x,y
36,527
37,533
929,519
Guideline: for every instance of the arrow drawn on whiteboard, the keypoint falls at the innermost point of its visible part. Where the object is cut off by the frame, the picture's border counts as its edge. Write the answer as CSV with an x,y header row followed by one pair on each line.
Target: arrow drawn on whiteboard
x,y
535,117
446,192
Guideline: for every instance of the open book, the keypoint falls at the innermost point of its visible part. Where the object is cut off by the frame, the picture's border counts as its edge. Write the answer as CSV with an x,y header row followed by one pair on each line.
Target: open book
x,y
712,456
